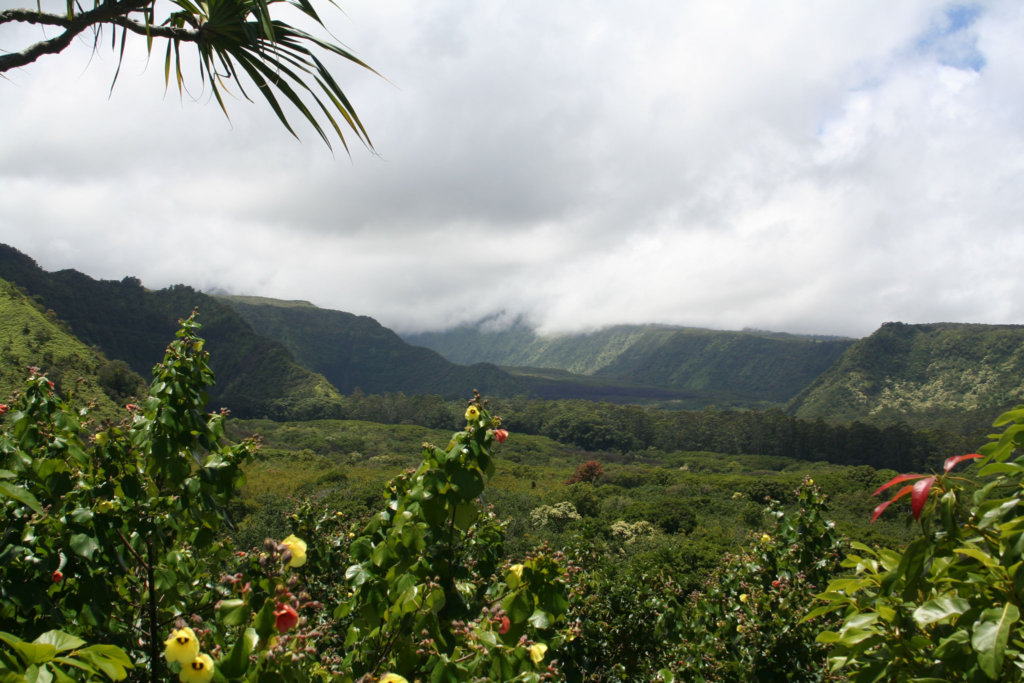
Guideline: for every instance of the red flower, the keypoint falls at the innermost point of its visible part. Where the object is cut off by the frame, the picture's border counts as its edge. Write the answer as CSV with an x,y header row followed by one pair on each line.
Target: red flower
x,y
506,624
776,583
3,408
131,407
285,617
57,576
501,435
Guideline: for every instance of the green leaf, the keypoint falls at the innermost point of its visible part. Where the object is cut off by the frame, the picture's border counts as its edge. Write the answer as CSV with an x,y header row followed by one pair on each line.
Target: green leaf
x,y
237,662
84,545
264,621
465,515
21,495
468,482
991,633
540,619
61,641
818,611
232,612
35,653
940,609
81,515
518,606
109,659
979,555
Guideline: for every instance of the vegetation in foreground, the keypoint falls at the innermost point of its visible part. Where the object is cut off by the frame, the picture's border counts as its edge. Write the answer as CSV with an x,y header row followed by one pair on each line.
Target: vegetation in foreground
x,y
116,565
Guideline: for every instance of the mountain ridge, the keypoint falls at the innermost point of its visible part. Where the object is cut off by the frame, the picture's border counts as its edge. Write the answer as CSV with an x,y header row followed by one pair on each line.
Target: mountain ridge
x,y
769,367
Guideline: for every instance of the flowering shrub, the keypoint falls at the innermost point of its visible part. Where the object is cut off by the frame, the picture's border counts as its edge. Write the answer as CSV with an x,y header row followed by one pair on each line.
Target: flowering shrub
x,y
747,622
431,596
108,534
112,535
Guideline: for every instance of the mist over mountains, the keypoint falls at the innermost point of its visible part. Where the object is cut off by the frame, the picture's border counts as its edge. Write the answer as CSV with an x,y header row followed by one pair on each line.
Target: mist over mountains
x,y
282,358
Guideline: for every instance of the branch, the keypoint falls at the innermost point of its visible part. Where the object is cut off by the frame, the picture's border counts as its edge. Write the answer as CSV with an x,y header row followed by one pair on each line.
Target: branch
x,y
113,12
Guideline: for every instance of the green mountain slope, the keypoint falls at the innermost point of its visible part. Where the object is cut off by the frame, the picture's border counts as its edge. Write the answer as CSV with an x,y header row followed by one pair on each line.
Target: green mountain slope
x,y
954,374
356,351
31,336
750,366
129,322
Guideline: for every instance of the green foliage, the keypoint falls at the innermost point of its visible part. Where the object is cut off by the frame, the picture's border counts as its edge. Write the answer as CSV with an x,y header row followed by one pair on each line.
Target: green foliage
x,y
431,596
948,606
32,336
623,588
718,367
358,352
746,624
635,431
130,323
119,381
948,375
111,535
56,655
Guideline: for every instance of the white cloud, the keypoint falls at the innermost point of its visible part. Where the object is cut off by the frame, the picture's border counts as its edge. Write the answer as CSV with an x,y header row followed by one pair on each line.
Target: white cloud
x,y
816,167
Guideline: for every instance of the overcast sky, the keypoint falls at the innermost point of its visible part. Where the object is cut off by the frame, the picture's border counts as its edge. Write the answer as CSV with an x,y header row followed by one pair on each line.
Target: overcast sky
x,y
808,166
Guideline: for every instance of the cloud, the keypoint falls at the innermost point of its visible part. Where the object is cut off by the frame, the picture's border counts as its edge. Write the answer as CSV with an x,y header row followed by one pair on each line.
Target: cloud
x,y
817,167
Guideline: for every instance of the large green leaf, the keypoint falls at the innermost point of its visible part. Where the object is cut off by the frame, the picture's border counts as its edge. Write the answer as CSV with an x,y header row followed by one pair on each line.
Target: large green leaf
x,y
61,641
23,496
991,633
940,609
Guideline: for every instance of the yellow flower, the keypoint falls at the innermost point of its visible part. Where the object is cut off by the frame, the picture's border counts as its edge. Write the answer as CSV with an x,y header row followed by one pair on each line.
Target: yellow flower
x,y
765,538
740,628
472,413
199,670
298,548
744,597
393,678
182,647
517,569
537,652
810,482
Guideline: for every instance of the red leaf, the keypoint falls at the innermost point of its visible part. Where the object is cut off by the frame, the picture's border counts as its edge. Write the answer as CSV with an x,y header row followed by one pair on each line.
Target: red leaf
x,y
920,495
880,509
881,506
896,480
954,460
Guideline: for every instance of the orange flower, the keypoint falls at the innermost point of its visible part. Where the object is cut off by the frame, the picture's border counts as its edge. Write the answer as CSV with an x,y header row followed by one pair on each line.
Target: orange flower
x,y
285,617
501,435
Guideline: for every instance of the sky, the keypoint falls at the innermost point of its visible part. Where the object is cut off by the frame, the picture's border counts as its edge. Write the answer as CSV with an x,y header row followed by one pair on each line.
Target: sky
x,y
810,167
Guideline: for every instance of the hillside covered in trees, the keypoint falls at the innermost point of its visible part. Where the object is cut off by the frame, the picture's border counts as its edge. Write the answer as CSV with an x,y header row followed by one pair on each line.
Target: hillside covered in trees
x,y
742,367
950,375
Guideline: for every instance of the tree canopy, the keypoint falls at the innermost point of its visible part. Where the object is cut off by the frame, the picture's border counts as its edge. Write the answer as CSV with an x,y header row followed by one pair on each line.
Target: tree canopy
x,y
231,38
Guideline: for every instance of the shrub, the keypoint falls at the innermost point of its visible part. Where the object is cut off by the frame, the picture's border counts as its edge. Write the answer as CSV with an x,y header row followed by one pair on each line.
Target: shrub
x,y
948,606
745,625
588,472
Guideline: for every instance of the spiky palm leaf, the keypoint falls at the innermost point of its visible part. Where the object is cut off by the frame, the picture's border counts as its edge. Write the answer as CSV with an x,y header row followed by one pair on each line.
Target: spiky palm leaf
x,y
233,37
240,36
